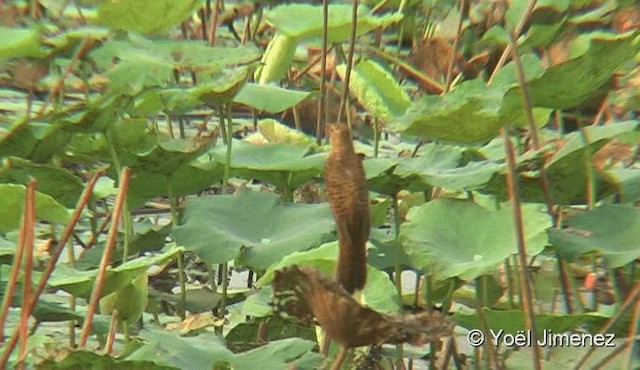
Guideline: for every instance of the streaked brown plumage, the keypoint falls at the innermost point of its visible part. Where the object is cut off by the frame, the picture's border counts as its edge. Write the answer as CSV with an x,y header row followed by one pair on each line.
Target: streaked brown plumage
x,y
349,201
304,292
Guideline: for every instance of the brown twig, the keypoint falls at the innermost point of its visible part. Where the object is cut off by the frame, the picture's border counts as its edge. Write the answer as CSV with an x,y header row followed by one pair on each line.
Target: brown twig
x,y
340,357
379,6
113,327
98,286
454,48
631,299
86,44
424,80
611,355
321,119
103,226
544,179
518,29
347,73
525,276
213,26
55,255
13,280
306,69
493,356
28,225
633,334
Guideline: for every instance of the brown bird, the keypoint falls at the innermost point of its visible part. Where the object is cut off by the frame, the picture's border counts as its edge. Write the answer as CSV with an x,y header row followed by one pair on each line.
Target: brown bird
x,y
305,293
349,201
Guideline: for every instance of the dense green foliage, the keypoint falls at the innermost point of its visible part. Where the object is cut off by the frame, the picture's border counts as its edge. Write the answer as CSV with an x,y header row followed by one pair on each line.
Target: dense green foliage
x,y
221,183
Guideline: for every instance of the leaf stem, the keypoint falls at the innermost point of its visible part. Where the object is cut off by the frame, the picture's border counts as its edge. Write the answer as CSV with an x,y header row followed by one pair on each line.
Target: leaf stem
x,y
126,218
516,31
397,270
321,119
96,293
224,283
183,285
632,298
525,275
454,48
347,74
28,224
544,179
55,255
226,113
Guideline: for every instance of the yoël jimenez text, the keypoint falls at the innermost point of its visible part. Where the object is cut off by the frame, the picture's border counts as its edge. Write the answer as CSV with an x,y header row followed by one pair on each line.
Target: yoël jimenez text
x,y
551,339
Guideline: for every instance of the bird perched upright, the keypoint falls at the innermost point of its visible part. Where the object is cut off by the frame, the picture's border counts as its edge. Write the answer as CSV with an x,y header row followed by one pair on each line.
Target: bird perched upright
x,y
349,201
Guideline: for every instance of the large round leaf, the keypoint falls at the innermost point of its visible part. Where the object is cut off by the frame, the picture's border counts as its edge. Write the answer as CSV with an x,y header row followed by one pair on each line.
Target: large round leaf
x,y
305,20
146,16
257,224
469,113
269,98
208,351
59,183
456,238
285,165
570,83
610,231
12,203
566,172
81,283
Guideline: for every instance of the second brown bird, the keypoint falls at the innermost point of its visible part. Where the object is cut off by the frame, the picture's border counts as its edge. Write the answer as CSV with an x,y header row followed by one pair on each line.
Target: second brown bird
x,y
349,201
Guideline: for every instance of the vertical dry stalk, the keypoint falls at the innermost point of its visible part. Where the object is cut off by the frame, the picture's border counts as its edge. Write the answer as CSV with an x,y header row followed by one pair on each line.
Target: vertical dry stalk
x,y
86,44
631,339
519,27
213,26
321,119
493,356
55,254
347,74
13,280
544,179
525,276
94,237
425,81
106,256
111,336
631,299
28,225
308,67
454,49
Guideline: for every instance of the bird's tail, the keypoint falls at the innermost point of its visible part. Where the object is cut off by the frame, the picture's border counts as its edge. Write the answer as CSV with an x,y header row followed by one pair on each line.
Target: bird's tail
x,y
352,265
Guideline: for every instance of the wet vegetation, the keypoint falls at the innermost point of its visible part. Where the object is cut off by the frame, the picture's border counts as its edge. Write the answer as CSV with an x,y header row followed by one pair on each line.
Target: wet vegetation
x,y
500,144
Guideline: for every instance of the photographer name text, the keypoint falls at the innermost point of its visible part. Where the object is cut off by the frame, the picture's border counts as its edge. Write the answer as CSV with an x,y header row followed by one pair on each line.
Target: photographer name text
x,y
548,338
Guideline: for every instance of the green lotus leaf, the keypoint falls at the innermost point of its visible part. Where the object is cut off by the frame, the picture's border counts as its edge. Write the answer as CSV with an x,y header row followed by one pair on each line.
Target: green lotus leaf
x,y
145,16
285,165
57,182
377,90
305,20
269,98
469,113
81,283
610,231
481,238
256,227
12,204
